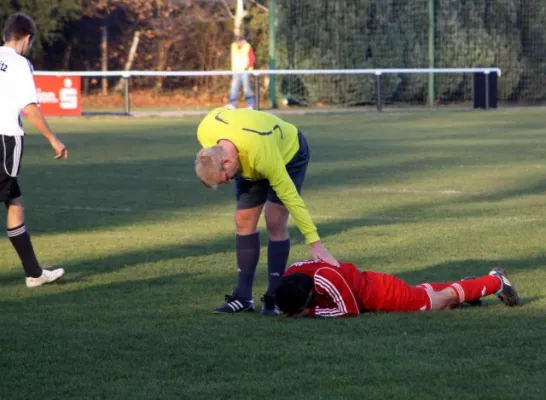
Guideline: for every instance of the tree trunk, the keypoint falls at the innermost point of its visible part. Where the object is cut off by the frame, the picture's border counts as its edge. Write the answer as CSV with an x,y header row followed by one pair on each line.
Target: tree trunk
x,y
66,57
130,59
104,57
86,80
239,15
162,56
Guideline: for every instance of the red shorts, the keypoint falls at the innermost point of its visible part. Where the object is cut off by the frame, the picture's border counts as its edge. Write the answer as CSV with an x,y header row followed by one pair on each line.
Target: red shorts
x,y
384,292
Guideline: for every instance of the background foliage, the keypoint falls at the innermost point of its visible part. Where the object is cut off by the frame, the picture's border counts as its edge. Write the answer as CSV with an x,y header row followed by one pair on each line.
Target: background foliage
x,y
195,35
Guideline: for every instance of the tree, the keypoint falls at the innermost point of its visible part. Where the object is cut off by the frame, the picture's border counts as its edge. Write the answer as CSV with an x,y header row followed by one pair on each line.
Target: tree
x,y
50,18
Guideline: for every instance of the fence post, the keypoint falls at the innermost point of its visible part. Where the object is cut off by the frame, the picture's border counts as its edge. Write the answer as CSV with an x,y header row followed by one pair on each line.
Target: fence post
x,y
126,95
257,90
431,51
486,73
378,85
271,50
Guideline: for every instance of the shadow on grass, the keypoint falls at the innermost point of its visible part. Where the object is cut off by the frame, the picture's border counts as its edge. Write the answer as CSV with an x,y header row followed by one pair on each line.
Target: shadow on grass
x,y
127,167
456,270
226,244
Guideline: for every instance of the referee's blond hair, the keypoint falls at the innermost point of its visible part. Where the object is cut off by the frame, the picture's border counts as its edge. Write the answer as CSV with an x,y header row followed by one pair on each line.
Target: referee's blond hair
x,y
208,165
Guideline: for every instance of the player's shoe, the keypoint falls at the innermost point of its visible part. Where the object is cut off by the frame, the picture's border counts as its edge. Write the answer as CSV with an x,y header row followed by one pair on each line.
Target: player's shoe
x,y
508,293
229,106
269,308
48,276
233,305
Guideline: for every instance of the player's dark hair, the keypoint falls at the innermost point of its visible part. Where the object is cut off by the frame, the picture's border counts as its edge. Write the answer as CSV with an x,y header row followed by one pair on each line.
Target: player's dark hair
x,y
18,26
293,292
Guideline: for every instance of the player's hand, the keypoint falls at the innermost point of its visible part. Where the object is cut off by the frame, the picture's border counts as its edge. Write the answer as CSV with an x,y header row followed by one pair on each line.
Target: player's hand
x,y
319,253
60,149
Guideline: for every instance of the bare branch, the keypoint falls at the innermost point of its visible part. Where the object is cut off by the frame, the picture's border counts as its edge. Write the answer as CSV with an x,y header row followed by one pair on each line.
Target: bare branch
x,y
260,6
225,4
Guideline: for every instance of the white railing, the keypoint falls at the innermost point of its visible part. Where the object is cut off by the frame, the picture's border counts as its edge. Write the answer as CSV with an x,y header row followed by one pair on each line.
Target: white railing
x,y
260,72
378,72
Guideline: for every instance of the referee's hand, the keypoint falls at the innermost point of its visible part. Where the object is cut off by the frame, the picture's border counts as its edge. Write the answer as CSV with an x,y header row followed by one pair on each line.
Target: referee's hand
x,y
321,254
60,149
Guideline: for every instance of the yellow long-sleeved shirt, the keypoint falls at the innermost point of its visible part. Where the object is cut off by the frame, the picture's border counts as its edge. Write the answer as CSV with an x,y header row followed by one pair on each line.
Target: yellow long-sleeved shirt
x,y
266,144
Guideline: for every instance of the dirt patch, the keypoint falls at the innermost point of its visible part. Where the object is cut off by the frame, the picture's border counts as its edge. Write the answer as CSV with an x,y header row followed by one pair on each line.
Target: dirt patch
x,y
147,99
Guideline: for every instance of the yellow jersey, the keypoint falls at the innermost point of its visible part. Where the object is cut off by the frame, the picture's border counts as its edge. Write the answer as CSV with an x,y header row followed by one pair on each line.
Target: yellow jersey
x,y
265,144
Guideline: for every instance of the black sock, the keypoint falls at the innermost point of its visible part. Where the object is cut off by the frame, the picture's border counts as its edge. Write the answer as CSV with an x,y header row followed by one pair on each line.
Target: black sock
x,y
20,239
248,254
277,257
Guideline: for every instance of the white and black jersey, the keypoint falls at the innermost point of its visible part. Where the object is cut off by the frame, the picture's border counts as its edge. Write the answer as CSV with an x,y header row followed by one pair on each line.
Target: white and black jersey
x,y
17,90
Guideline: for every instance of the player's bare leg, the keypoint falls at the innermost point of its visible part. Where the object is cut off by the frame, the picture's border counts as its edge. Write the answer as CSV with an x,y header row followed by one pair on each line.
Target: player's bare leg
x,y
470,290
443,300
16,213
246,221
276,219
438,286
278,249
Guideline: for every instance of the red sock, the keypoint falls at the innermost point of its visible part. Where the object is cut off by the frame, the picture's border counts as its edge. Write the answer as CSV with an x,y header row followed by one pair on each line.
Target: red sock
x,y
475,288
436,286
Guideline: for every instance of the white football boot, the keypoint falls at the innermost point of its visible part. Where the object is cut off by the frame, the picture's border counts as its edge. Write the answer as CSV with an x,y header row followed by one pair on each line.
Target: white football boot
x,y
47,276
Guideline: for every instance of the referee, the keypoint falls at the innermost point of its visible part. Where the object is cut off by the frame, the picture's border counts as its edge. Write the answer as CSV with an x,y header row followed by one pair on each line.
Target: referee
x,y
267,158
18,96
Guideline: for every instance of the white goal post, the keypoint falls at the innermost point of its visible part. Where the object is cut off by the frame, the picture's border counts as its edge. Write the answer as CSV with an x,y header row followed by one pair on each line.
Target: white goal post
x,y
378,72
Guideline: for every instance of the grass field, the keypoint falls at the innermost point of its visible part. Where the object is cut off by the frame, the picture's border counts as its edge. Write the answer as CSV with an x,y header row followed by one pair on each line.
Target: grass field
x,y
149,252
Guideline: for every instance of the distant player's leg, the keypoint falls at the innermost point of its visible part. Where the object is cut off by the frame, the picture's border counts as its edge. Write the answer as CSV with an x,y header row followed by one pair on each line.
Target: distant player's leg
x,y
251,197
247,91
234,91
276,217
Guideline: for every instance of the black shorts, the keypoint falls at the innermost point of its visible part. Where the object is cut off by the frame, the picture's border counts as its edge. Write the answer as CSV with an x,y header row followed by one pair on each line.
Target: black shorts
x,y
250,194
11,154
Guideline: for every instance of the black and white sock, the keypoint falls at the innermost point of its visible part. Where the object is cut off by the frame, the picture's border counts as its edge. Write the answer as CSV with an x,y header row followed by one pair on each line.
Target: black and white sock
x,y
20,239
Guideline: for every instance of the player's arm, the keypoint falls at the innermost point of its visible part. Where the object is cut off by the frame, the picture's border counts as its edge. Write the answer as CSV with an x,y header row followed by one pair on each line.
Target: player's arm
x,y
270,164
329,282
35,116
37,119
28,102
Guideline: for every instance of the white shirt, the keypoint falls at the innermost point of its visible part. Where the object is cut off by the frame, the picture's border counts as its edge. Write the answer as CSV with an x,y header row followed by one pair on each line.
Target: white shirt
x,y
17,90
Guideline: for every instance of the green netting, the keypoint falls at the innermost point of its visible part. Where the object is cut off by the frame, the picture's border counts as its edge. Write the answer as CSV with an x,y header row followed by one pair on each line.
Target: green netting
x,y
341,34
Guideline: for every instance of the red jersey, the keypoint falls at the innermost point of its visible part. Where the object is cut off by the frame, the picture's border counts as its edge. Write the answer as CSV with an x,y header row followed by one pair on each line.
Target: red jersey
x,y
335,293
347,291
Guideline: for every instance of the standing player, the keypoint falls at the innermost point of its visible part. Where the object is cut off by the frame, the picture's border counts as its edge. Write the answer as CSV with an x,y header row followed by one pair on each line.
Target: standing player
x,y
268,159
18,95
316,289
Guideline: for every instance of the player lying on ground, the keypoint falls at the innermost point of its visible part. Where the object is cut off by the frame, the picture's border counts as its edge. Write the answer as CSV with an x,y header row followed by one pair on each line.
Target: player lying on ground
x,y
314,288
267,157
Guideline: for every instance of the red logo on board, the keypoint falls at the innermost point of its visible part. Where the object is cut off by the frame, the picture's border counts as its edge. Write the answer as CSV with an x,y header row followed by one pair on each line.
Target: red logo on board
x,y
59,95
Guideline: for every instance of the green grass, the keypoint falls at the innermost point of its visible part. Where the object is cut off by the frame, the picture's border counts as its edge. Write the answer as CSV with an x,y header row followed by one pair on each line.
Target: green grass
x,y
149,252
